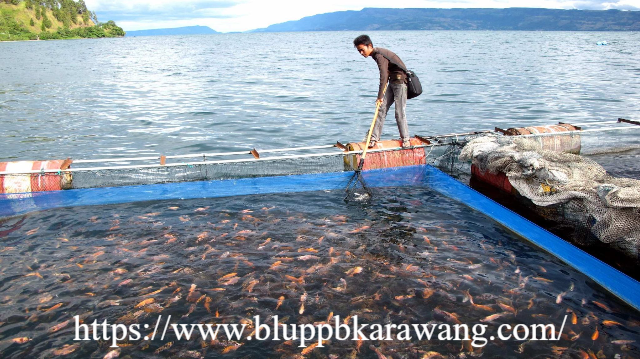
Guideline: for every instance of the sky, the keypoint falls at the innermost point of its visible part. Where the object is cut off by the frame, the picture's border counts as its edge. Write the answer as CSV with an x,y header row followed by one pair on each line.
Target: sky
x,y
244,15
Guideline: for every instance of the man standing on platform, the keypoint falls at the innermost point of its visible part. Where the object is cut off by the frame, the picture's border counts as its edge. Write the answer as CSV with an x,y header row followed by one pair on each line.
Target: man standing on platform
x,y
391,73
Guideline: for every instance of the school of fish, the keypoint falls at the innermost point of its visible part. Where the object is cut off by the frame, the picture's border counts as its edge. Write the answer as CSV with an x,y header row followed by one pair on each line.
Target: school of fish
x,y
228,260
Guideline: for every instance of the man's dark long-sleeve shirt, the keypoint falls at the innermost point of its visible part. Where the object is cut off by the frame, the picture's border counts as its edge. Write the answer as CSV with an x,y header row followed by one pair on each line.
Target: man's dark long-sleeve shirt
x,y
388,71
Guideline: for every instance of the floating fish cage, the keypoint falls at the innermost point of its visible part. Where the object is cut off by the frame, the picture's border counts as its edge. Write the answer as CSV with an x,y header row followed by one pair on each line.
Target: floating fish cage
x,y
281,251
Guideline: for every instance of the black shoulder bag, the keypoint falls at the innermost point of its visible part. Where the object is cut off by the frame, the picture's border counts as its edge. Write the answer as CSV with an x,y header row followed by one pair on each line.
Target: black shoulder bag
x,y
414,88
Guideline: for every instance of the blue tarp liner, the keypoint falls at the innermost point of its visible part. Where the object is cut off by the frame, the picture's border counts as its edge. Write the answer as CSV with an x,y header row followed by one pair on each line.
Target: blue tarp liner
x,y
616,282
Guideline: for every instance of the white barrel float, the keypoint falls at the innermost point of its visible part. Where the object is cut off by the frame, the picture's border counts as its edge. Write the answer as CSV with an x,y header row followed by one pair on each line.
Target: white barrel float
x,y
21,176
569,144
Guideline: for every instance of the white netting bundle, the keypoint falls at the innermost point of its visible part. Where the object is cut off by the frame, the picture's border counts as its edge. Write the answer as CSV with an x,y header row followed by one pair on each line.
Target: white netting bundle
x,y
608,207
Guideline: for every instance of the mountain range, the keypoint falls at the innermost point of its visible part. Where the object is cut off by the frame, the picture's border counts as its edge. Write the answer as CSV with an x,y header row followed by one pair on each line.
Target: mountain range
x,y
532,19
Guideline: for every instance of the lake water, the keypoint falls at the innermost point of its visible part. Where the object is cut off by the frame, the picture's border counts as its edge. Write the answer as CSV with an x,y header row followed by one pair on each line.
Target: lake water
x,y
193,94
412,256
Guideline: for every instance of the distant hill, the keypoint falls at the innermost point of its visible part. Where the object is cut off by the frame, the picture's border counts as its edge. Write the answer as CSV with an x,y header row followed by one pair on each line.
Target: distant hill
x,y
187,30
465,19
51,19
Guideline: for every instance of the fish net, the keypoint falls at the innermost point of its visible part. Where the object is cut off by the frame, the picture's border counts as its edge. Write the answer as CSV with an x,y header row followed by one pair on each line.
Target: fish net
x,y
205,171
144,171
570,187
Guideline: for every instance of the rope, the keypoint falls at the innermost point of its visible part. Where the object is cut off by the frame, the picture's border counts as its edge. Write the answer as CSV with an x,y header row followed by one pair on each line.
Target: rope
x,y
455,141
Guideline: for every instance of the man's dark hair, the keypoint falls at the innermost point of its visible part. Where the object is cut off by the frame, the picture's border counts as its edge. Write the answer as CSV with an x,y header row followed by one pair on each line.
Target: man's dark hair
x,y
362,40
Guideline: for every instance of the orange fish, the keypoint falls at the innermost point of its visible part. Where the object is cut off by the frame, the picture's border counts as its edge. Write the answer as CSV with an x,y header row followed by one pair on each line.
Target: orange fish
x,y
294,279
230,275
202,236
622,342
231,281
54,307
21,340
154,292
45,298
493,317
353,271
595,334
484,307
507,308
308,257
426,293
66,349
411,268
531,302
360,229
358,344
251,285
171,238
57,327
543,279
231,348
308,349
34,274
378,352
207,304
280,301
610,323
601,305
145,302
113,354
164,347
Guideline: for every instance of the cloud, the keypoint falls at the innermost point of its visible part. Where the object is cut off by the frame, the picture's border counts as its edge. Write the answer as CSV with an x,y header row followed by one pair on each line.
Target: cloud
x,y
162,10
243,15
608,5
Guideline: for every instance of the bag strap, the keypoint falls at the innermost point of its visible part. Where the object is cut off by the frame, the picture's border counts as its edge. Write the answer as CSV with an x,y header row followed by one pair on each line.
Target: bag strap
x,y
395,63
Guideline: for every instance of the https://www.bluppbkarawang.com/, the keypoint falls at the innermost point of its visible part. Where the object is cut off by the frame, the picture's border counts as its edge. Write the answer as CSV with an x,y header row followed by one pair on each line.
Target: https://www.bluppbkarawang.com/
x,y
313,335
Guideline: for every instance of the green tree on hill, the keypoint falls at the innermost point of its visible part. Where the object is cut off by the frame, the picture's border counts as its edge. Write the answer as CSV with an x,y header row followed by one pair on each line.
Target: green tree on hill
x,y
112,28
71,18
46,22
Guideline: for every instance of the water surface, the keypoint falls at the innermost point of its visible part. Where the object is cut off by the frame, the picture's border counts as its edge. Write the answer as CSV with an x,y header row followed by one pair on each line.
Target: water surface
x,y
192,94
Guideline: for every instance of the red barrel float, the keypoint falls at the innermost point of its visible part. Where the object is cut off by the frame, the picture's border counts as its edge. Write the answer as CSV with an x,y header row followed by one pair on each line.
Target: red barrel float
x,y
385,159
569,143
20,180
498,180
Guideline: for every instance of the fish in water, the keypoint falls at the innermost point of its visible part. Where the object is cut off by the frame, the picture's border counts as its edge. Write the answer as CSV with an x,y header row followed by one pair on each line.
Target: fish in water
x,y
303,266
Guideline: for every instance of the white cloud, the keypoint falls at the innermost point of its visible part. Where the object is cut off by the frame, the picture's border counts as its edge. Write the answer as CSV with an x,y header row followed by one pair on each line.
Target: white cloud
x,y
243,15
